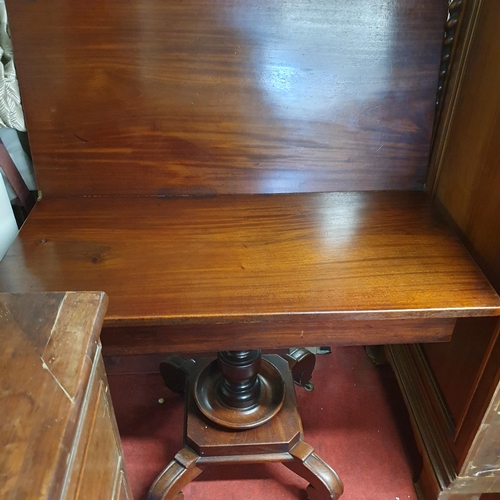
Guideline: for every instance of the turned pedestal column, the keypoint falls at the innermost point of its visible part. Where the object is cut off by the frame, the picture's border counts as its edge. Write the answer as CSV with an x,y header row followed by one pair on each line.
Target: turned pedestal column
x,y
241,408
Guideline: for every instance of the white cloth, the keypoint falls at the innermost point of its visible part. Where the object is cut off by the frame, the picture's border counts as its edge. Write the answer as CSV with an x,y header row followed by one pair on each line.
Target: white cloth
x,y
11,113
8,226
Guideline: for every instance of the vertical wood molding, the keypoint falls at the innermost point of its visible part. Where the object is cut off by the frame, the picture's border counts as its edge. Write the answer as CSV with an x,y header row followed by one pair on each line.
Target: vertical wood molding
x,y
430,419
464,179
446,475
467,191
459,33
452,22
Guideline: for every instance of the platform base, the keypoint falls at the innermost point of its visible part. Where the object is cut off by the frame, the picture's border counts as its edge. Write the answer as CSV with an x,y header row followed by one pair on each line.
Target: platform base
x,y
278,440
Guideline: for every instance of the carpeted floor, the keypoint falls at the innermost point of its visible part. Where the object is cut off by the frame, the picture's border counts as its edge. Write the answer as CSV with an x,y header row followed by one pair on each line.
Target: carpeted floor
x,y
355,419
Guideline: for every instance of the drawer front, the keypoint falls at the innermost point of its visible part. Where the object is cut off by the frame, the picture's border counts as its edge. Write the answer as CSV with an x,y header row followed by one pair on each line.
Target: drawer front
x,y
96,470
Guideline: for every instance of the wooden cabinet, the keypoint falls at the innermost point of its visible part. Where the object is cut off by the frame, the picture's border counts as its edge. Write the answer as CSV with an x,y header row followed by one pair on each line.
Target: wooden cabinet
x,y
58,432
98,468
154,179
452,389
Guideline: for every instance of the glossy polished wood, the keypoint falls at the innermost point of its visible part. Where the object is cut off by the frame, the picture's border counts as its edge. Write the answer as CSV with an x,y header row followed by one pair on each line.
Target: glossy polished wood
x,y
203,96
240,386
469,173
277,440
468,187
250,259
450,386
252,441
297,330
301,362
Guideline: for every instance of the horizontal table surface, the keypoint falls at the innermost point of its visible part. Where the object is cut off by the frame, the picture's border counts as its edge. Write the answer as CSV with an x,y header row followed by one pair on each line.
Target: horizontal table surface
x,y
244,258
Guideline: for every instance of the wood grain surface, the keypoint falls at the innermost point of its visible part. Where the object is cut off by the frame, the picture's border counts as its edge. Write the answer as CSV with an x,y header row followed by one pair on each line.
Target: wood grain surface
x,y
468,187
237,259
47,345
469,171
214,96
296,330
103,448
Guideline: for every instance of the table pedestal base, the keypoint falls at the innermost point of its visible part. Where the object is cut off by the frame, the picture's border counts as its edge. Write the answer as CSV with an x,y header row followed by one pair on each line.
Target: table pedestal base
x,y
277,440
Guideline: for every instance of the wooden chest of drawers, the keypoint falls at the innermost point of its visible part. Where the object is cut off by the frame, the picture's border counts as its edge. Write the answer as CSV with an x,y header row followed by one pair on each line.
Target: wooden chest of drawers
x,y
58,432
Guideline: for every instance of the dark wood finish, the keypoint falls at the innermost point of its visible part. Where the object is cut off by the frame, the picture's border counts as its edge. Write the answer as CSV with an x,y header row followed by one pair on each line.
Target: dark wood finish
x,y
227,407
301,363
174,371
119,341
456,68
430,418
250,259
134,98
470,169
277,440
449,44
213,441
217,98
324,482
459,380
239,386
377,354
464,355
467,188
445,476
57,432
468,175
179,473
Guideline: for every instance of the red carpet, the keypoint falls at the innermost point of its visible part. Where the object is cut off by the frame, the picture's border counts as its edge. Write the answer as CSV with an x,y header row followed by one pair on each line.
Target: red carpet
x,y
355,419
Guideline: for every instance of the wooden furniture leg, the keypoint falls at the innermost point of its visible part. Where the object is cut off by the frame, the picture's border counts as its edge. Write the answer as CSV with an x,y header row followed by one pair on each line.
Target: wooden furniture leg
x,y
240,409
376,354
302,363
324,481
180,472
175,372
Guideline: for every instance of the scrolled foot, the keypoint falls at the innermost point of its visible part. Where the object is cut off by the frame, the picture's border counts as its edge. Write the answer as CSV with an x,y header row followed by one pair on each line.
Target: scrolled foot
x,y
301,363
324,481
179,473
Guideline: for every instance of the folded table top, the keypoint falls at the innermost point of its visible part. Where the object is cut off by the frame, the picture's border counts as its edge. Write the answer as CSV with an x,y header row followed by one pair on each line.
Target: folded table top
x,y
251,258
